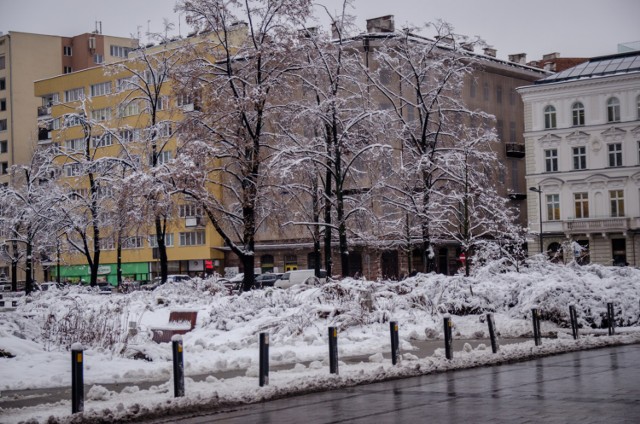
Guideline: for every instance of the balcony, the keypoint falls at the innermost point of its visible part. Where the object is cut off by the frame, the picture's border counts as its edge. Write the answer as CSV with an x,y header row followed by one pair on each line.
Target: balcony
x,y
596,225
44,135
44,111
514,150
517,196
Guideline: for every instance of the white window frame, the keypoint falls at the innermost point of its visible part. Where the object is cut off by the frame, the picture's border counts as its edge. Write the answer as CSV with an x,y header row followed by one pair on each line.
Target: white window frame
x,y
581,205
130,109
551,160
74,94
134,242
72,169
550,118
579,156
613,110
614,155
193,238
577,114
74,144
616,203
101,115
553,207
168,240
102,140
100,89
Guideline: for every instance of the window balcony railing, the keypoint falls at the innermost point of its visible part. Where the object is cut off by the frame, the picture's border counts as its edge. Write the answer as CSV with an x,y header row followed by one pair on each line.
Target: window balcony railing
x,y
596,225
514,150
44,111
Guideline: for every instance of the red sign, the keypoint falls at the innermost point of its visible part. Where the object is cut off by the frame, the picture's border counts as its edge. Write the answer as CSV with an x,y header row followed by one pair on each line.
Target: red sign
x,y
208,264
462,257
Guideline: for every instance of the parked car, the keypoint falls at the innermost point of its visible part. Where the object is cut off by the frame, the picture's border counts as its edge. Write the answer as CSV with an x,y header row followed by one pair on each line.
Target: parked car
x,y
172,278
267,279
304,276
105,288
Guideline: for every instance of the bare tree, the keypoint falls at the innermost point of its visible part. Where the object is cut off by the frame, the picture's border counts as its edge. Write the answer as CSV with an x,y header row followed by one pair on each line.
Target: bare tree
x,y
239,69
27,213
421,80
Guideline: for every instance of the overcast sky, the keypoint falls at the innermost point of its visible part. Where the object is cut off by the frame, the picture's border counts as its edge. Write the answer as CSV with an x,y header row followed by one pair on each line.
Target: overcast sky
x,y
571,27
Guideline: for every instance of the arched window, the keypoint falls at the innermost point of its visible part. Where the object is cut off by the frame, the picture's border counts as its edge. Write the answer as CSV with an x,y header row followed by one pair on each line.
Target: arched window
x,y
549,117
613,110
577,113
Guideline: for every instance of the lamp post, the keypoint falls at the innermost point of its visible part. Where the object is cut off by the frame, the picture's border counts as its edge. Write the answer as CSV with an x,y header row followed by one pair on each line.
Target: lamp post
x,y
537,190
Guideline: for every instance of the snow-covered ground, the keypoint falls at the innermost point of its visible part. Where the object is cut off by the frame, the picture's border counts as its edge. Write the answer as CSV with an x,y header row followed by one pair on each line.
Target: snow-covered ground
x,y
39,333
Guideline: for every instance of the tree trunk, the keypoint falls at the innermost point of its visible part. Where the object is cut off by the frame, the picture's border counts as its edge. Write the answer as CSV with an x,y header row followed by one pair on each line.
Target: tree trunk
x,y
29,268
119,263
162,249
14,266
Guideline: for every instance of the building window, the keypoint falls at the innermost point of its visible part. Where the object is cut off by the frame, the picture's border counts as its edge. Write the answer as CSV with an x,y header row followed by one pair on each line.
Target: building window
x,y
3,63
107,244
3,84
3,124
579,158
577,113
581,201
512,97
192,238
162,157
123,84
72,120
485,91
74,94
616,198
76,144
512,132
98,58
549,117
613,110
3,105
553,207
101,89
3,146
4,168
499,129
473,88
130,109
163,103
499,94
119,51
189,210
73,169
551,160
615,154
127,136
101,114
132,243
67,50
67,69
168,240
103,140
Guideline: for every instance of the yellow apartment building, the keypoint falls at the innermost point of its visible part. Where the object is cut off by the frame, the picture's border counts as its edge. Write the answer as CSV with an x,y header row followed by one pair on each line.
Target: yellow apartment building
x,y
118,119
24,58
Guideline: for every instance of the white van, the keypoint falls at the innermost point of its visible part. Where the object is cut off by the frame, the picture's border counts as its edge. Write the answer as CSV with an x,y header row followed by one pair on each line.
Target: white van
x,y
303,276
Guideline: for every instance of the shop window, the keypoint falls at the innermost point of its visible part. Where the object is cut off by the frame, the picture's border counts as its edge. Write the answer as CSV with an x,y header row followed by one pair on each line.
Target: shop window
x,y
266,263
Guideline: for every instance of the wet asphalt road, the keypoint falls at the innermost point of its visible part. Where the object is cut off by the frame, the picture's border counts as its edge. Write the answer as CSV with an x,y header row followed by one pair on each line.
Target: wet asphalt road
x,y
595,386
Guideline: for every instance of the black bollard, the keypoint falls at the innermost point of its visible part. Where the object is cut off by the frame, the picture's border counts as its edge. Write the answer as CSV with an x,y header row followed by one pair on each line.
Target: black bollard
x,y
77,378
492,333
535,317
264,359
574,321
178,366
395,341
448,339
610,319
333,350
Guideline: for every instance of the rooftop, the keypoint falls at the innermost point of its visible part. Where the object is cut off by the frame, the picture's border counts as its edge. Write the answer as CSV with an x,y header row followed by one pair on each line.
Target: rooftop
x,y
598,66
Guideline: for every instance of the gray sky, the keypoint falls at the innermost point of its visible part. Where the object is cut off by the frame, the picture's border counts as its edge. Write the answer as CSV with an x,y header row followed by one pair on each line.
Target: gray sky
x,y
572,27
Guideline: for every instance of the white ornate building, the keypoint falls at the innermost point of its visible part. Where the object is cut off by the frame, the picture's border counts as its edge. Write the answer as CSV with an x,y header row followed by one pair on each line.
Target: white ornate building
x,y
582,137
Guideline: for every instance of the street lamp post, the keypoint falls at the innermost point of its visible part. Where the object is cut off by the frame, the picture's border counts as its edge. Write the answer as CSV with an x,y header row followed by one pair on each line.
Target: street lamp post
x,y
539,191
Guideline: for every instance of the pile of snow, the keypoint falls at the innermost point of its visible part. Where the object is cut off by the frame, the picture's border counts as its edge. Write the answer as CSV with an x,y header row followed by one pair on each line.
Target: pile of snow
x,y
116,332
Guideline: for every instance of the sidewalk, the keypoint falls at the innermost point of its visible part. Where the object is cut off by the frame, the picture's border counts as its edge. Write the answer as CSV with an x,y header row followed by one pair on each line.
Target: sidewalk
x,y
33,397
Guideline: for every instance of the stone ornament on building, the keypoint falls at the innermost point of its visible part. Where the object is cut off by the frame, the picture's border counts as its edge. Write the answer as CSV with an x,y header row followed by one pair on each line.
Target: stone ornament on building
x,y
596,145
578,138
613,134
550,140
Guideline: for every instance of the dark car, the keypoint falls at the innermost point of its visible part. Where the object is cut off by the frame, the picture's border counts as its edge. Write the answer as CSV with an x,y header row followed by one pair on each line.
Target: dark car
x,y
266,280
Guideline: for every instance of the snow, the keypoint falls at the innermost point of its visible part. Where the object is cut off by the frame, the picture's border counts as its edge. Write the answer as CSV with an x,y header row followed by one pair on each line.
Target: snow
x,y
221,353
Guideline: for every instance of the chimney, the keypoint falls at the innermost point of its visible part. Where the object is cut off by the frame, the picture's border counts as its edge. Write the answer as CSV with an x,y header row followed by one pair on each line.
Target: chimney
x,y
551,56
489,51
381,24
519,58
